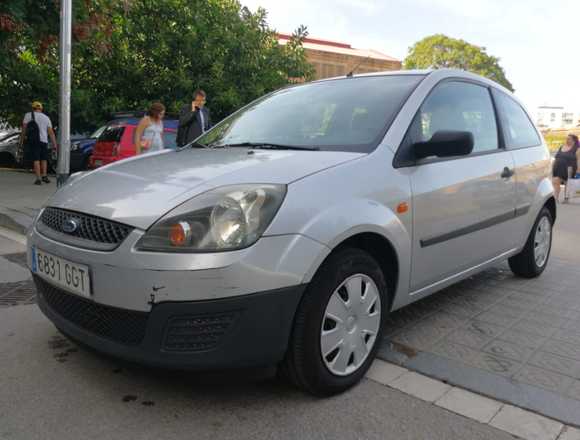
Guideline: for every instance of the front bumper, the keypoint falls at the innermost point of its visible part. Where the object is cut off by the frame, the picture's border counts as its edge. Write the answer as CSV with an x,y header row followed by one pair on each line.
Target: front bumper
x,y
245,331
128,279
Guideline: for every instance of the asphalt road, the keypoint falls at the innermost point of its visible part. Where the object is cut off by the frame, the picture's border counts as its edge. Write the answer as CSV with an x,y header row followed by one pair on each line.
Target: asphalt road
x,y
52,389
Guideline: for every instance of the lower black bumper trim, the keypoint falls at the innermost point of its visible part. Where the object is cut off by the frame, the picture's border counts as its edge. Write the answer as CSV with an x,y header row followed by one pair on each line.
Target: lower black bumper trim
x,y
257,333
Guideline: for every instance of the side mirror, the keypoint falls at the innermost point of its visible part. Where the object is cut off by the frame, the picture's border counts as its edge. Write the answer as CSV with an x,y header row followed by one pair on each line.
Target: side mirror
x,y
445,144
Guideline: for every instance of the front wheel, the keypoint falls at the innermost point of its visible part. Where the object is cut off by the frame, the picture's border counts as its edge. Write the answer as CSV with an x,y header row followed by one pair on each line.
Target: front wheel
x,y
533,258
338,325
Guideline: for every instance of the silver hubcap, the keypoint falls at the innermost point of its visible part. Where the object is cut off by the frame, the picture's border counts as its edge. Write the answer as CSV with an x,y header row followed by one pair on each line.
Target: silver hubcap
x,y
542,241
350,325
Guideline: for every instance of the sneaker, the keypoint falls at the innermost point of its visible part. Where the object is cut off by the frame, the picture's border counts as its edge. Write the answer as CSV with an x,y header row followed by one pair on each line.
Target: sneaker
x,y
46,179
37,182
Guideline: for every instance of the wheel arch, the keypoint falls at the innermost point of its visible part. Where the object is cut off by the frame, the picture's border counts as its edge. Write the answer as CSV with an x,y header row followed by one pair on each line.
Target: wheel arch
x,y
551,205
369,226
383,251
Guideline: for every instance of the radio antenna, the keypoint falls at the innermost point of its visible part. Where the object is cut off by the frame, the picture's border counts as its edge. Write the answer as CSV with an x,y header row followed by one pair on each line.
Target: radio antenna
x,y
351,73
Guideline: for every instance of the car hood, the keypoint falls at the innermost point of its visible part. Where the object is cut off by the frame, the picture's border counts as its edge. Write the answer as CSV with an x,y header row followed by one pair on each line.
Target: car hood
x,y
140,190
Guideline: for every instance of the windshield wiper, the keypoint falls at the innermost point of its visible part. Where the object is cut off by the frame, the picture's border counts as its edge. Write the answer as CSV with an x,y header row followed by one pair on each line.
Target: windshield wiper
x,y
268,146
194,145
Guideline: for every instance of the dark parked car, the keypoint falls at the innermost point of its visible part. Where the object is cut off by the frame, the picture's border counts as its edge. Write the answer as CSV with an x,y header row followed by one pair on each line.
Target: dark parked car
x,y
81,150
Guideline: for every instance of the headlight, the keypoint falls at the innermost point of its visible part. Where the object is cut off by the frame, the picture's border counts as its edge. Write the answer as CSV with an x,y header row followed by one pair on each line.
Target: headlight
x,y
223,219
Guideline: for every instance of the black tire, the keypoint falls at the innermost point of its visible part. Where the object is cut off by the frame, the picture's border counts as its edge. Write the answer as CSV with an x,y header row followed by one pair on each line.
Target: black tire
x,y
85,163
524,264
303,364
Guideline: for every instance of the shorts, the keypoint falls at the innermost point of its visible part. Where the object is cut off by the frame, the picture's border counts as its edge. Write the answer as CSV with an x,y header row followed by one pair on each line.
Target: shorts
x,y
39,152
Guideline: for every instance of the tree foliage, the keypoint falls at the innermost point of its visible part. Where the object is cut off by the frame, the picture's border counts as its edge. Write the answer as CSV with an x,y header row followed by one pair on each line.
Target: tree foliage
x,y
440,51
127,53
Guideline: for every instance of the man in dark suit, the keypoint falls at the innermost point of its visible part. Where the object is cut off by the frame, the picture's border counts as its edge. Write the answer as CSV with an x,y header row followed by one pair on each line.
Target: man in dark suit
x,y
194,119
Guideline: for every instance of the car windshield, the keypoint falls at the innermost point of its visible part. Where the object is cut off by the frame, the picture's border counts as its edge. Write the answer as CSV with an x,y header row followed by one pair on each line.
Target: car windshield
x,y
98,132
338,115
113,133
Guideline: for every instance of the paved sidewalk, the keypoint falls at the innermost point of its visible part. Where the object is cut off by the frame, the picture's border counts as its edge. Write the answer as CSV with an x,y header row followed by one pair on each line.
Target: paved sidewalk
x,y
512,339
20,199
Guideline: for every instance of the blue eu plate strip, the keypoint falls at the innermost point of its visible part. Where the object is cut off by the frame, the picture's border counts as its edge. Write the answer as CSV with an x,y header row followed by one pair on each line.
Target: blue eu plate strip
x,y
33,255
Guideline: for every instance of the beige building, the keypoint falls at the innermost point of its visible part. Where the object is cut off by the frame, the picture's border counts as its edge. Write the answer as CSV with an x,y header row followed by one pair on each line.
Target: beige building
x,y
331,58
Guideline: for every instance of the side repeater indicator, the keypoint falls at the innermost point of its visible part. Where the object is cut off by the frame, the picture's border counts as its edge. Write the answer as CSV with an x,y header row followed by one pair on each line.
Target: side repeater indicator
x,y
402,208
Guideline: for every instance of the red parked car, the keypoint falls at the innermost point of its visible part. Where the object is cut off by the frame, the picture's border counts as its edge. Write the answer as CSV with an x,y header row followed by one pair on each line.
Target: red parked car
x,y
116,141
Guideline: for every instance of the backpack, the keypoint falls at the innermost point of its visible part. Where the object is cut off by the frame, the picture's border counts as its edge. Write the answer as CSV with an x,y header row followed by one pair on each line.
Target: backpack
x,y
32,132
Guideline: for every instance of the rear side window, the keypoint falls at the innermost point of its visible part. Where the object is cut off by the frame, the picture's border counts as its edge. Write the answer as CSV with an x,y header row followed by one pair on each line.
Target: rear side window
x,y
518,130
457,106
112,134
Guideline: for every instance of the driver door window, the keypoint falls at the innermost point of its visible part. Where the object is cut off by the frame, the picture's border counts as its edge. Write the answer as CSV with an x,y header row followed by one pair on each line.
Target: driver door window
x,y
457,106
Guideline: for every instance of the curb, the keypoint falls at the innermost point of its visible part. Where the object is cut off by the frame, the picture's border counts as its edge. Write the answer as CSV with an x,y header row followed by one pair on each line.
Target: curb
x,y
15,221
507,418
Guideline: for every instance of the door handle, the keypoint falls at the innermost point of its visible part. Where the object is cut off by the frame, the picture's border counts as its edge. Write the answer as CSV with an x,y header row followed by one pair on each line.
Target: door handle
x,y
507,173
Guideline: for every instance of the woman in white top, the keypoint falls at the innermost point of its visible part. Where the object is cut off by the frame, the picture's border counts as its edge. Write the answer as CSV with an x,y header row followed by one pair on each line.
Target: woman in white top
x,y
149,133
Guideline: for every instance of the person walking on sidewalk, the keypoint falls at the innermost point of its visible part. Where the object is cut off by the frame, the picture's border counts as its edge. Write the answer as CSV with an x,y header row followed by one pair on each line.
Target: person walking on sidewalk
x,y
149,132
36,129
194,119
566,164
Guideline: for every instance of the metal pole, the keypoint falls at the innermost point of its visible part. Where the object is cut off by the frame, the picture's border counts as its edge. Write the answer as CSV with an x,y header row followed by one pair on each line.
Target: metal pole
x,y
63,166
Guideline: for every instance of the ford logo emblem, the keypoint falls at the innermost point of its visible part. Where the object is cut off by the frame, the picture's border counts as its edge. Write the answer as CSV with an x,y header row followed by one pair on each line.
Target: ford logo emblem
x,y
70,225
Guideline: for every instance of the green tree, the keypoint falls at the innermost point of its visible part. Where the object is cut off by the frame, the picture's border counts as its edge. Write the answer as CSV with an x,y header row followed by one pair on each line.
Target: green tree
x,y
440,51
29,50
129,53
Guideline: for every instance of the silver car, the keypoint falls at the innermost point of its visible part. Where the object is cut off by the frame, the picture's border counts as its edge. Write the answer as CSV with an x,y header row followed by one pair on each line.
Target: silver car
x,y
9,144
288,233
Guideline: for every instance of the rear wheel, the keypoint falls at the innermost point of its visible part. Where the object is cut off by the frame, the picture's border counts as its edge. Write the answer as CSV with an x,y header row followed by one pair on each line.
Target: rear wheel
x,y
338,324
533,258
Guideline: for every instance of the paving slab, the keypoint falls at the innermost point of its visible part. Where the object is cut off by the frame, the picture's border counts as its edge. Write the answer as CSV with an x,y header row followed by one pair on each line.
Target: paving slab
x,y
512,339
526,424
385,372
420,386
471,405
570,434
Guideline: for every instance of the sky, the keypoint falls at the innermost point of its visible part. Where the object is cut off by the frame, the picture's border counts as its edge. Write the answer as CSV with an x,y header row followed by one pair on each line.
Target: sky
x,y
537,41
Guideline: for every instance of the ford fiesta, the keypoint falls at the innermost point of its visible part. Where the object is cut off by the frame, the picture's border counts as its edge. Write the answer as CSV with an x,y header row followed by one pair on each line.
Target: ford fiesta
x,y
289,232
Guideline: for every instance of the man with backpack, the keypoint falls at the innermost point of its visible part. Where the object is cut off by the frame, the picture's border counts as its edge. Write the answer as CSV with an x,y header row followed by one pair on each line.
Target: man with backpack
x,y
36,128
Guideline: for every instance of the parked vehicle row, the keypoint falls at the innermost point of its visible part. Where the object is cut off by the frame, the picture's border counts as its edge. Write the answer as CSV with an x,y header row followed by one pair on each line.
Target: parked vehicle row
x,y
115,141
109,143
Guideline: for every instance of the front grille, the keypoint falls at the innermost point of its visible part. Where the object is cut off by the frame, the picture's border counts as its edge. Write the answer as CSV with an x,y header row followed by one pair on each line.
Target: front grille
x,y
197,333
119,325
88,227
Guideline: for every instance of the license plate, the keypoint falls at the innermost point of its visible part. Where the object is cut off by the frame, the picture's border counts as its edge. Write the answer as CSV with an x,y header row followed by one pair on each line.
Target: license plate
x,y
71,276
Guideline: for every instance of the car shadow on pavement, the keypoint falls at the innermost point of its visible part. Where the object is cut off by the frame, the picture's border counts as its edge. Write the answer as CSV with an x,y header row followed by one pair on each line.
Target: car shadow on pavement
x,y
231,385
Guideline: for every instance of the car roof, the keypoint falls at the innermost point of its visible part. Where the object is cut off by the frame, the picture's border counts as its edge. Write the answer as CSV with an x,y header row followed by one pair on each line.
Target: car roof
x,y
440,73
167,123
